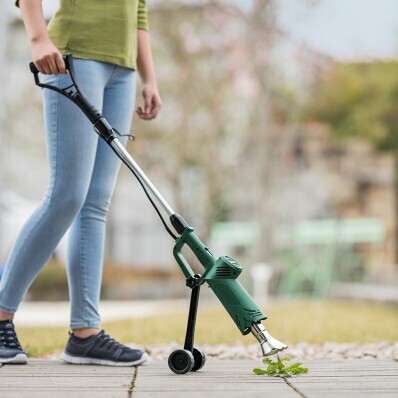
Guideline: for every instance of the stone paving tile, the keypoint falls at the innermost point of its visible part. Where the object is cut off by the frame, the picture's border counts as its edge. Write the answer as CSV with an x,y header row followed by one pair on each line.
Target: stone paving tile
x,y
349,378
216,379
326,379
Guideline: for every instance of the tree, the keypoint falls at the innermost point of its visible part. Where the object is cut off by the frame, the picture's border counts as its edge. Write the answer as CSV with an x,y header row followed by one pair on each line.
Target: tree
x,y
360,100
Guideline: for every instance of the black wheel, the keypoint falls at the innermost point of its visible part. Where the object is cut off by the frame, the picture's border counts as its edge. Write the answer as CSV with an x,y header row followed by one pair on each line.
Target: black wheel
x,y
181,361
200,359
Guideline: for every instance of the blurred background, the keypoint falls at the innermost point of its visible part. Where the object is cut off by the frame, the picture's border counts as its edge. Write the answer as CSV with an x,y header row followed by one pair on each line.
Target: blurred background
x,y
277,141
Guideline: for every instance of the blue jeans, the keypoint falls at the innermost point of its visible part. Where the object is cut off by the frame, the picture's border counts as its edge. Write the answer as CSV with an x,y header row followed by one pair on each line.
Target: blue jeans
x,y
83,172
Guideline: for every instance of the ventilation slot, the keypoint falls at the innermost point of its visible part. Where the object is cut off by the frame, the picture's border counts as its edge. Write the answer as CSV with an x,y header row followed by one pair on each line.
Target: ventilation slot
x,y
223,271
253,313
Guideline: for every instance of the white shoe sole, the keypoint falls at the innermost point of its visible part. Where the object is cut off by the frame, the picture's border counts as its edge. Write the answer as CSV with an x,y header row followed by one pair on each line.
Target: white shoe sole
x,y
95,361
18,359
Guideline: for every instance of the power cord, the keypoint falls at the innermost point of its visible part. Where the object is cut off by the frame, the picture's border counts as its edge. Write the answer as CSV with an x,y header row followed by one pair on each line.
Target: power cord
x,y
150,199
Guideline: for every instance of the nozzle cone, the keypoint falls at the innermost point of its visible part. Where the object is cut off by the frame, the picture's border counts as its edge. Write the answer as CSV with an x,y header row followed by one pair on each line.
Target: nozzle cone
x,y
269,345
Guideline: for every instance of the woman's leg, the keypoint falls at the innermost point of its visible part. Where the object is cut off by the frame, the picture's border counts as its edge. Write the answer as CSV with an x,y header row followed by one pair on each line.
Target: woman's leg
x,y
71,151
86,244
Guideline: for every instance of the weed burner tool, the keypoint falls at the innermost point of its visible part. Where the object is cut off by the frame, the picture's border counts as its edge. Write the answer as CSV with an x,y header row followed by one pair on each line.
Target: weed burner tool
x,y
219,273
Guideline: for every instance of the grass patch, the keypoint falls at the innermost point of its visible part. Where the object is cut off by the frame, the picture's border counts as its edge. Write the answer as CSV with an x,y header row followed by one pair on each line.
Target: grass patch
x,y
290,321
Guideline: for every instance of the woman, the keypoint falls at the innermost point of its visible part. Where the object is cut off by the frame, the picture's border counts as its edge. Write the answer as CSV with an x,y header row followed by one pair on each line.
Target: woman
x,y
109,41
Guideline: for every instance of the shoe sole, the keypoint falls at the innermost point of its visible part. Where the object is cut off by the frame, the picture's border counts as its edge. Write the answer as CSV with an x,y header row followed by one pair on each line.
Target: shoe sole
x,y
96,361
18,359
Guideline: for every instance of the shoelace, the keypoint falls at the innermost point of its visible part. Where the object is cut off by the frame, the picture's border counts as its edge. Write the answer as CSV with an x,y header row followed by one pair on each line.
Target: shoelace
x,y
108,342
8,337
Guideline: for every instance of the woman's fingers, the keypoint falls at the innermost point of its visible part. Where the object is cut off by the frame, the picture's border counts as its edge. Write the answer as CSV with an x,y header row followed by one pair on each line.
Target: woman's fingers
x,y
152,102
147,103
60,63
151,109
156,105
55,63
43,67
143,115
47,58
53,66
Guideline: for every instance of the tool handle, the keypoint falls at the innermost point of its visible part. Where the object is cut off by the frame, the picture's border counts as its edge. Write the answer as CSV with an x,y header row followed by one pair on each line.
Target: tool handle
x,y
185,267
200,251
68,59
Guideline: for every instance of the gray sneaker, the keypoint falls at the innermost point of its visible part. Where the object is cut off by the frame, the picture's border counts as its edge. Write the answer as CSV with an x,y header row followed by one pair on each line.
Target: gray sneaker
x,y
10,349
101,349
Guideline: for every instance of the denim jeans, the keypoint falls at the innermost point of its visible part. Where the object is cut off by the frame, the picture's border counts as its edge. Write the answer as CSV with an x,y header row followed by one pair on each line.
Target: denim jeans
x,y
83,172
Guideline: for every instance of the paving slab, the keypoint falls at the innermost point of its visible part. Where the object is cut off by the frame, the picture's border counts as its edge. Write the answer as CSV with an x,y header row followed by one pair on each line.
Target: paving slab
x,y
218,378
349,378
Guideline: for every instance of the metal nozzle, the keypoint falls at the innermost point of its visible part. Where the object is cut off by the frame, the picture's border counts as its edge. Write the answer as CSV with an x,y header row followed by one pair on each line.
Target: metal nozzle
x,y
269,345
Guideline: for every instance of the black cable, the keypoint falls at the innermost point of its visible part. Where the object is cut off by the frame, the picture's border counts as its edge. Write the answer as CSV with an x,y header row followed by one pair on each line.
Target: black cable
x,y
130,136
153,203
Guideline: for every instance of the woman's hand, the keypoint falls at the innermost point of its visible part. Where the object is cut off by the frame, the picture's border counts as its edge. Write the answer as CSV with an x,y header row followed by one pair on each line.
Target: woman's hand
x,y
152,102
47,58
146,69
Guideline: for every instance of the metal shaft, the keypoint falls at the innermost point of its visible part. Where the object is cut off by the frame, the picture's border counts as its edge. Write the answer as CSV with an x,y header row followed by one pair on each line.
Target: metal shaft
x,y
131,164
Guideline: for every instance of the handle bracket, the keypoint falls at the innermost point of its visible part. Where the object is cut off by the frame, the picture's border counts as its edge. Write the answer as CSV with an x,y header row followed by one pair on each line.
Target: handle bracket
x,y
72,92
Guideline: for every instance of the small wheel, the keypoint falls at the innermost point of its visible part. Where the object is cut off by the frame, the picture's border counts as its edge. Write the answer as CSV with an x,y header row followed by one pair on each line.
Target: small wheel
x,y
200,359
181,361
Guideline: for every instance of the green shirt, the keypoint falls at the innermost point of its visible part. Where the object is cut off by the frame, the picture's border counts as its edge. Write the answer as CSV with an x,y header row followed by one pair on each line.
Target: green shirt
x,y
101,30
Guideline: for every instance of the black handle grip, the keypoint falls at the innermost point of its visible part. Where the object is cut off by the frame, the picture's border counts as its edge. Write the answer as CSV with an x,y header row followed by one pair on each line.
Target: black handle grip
x,y
67,58
33,68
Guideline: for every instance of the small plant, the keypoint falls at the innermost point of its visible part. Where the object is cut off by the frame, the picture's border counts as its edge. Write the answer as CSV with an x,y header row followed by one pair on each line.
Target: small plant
x,y
279,369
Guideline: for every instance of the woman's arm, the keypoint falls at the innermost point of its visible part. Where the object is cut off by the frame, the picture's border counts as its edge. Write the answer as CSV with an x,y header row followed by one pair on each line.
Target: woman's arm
x,y
146,70
47,58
